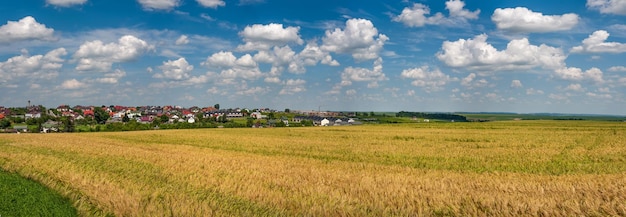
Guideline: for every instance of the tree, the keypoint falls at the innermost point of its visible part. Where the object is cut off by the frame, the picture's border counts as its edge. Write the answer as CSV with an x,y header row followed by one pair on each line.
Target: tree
x,y
164,119
217,106
125,119
4,123
287,110
270,116
68,124
100,115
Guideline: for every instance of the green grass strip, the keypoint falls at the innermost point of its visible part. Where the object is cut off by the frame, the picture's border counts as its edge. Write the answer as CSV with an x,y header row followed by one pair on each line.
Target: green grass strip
x,y
24,197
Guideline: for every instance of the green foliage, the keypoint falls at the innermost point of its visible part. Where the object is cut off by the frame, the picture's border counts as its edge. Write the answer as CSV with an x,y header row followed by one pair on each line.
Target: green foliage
x,y
306,123
217,106
4,123
438,116
23,197
101,116
164,119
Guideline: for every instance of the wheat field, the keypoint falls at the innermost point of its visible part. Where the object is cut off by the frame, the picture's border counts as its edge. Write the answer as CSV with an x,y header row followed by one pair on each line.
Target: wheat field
x,y
524,168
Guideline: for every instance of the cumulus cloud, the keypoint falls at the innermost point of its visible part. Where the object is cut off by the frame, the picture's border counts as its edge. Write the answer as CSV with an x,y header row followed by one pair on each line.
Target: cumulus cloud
x,y
95,55
617,69
533,91
65,3
211,3
596,43
263,37
470,81
575,88
182,40
522,19
477,54
416,15
176,70
356,74
359,38
608,6
232,67
292,86
166,5
429,80
284,57
516,84
26,28
35,67
72,84
576,74
221,60
112,77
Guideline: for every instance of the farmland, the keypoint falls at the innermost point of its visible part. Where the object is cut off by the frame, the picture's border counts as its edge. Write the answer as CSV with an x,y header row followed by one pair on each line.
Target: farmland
x,y
550,168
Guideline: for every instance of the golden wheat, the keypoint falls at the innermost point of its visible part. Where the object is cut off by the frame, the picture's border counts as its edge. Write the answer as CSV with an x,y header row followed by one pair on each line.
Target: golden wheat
x,y
540,168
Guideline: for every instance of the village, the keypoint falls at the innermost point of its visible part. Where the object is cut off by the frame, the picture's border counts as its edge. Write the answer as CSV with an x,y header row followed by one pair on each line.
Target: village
x,y
78,118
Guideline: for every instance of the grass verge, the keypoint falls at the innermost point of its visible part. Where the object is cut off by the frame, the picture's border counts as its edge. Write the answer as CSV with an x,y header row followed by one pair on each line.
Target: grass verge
x,y
24,197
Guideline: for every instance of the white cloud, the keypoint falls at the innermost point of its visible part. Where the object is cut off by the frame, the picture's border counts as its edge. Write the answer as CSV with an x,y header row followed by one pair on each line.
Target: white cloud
x,y
477,54
600,96
65,3
112,78
232,67
456,8
608,6
617,69
559,97
159,4
416,15
292,86
467,81
95,55
575,87
351,74
516,84
576,74
429,80
175,70
312,54
284,57
595,43
533,91
182,40
26,28
211,3
263,37
72,84
221,60
359,38
522,19
471,82
35,67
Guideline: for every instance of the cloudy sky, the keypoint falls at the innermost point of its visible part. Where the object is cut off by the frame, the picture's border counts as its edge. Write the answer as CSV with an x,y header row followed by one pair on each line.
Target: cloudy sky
x,y
392,55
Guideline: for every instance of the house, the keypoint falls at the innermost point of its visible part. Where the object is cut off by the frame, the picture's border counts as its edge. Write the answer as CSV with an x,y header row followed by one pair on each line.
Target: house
x,y
88,113
324,122
50,126
257,115
32,115
234,115
21,128
146,119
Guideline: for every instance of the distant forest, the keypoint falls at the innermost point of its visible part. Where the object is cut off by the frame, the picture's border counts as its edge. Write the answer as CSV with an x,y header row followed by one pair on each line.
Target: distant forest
x,y
438,116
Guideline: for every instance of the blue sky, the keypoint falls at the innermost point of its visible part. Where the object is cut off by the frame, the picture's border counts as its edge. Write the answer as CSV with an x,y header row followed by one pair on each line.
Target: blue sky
x,y
473,55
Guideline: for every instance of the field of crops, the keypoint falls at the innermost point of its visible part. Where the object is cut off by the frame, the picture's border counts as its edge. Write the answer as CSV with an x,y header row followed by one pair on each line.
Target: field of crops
x,y
536,168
